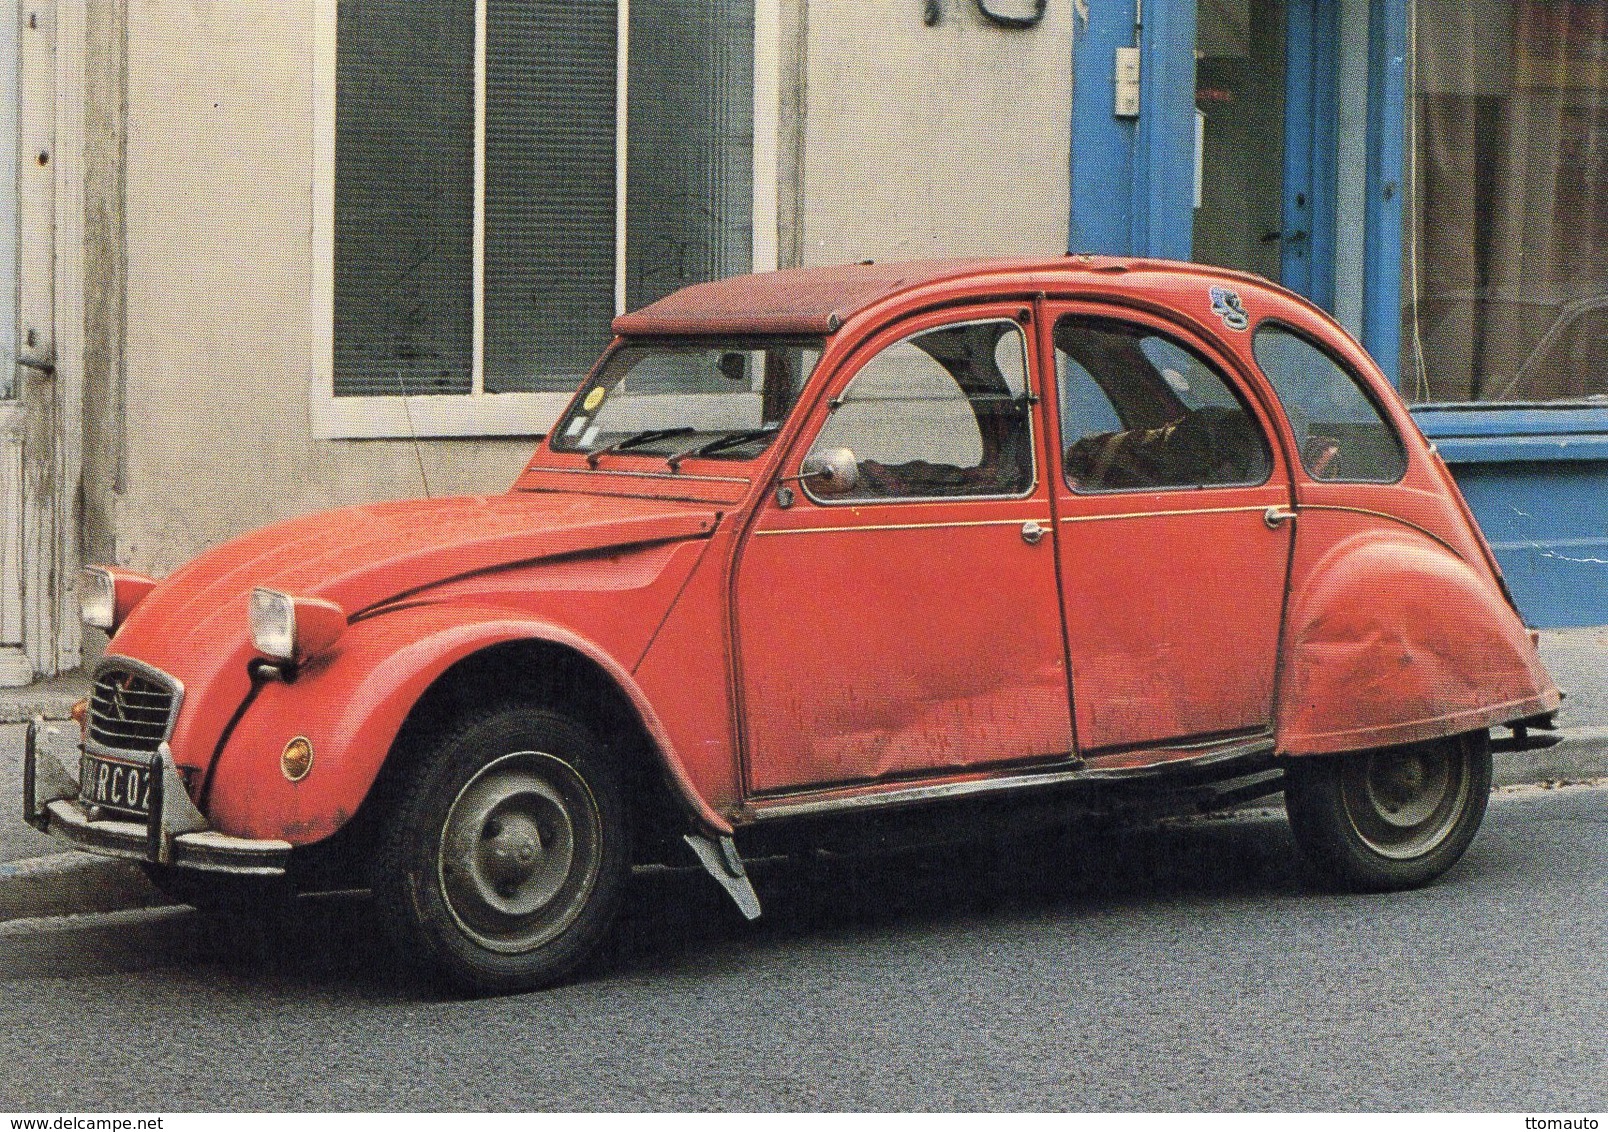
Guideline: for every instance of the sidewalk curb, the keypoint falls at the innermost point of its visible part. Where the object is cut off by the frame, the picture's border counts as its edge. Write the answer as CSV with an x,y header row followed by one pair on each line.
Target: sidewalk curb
x,y
69,883
1582,756
65,883
52,699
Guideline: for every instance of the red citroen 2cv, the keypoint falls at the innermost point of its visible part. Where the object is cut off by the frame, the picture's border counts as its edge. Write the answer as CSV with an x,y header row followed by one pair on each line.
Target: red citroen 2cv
x,y
825,544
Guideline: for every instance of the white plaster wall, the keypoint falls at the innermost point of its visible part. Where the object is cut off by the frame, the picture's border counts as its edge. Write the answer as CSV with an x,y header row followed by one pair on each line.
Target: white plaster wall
x,y
931,141
219,334
8,201
905,140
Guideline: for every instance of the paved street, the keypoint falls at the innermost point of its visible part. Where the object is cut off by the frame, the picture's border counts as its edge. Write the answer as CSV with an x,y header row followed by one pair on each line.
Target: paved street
x,y
1178,968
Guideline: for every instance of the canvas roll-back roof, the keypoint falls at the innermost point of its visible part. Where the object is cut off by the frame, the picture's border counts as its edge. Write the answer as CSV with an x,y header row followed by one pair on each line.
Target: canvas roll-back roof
x,y
801,300
818,300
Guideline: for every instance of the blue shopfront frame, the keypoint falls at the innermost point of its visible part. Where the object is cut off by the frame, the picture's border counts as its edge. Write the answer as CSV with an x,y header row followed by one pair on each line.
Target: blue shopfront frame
x,y
1536,476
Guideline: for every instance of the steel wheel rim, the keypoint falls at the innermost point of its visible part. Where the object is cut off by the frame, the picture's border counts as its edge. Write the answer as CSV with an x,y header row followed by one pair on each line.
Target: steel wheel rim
x,y
1403,803
520,853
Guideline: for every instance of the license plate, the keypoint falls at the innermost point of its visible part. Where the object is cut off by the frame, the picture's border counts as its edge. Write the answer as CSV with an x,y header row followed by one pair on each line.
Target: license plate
x,y
115,785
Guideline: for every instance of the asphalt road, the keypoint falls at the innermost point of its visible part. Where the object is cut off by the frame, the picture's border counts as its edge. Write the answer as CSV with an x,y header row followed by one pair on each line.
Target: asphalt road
x,y
1178,968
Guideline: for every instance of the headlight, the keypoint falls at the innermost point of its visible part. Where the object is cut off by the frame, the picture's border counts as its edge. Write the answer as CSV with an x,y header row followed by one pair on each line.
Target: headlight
x,y
293,628
106,595
273,623
97,598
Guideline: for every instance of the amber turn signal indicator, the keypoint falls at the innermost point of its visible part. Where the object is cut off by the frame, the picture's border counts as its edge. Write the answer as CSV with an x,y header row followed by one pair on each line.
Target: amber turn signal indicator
x,y
297,759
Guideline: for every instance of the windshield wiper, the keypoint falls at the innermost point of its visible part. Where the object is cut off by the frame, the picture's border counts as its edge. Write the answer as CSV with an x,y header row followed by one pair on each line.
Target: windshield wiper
x,y
720,444
636,440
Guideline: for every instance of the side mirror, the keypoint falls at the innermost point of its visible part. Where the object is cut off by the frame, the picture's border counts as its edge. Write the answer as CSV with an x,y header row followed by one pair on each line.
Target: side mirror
x,y
831,471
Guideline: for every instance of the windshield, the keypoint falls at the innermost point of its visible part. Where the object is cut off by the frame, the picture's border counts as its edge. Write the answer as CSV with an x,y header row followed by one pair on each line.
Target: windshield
x,y
672,400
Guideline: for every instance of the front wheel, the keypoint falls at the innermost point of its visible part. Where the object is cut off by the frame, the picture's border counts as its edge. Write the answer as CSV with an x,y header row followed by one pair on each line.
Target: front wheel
x,y
1389,819
502,865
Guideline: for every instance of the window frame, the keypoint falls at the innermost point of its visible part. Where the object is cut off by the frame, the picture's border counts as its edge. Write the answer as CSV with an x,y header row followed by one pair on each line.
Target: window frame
x,y
1266,427
478,413
1024,331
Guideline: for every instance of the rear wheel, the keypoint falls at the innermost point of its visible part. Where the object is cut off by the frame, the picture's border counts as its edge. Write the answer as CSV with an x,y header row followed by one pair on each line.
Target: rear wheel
x,y
1393,818
503,864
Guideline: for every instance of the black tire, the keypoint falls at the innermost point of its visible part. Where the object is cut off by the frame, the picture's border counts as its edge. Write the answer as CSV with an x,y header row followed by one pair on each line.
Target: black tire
x,y
1377,821
255,897
503,862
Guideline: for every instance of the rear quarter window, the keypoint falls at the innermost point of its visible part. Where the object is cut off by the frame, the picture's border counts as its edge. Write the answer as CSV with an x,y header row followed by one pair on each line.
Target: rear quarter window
x,y
1341,434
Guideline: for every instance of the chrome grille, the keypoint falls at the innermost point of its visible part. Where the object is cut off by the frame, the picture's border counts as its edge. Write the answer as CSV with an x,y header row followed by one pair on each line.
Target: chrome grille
x,y
130,710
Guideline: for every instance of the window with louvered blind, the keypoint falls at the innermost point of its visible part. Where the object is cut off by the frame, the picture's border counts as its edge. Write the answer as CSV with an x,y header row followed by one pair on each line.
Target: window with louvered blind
x,y
479,175
404,197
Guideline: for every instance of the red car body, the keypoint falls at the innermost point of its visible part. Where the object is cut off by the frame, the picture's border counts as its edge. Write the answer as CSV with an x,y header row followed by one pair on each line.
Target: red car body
x,y
785,654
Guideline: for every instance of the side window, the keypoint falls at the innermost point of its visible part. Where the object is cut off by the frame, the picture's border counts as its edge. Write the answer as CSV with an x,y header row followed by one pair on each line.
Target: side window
x,y
1340,433
1140,411
942,413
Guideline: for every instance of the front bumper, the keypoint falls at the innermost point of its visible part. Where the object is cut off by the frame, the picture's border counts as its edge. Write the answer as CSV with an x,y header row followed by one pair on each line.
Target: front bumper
x,y
176,833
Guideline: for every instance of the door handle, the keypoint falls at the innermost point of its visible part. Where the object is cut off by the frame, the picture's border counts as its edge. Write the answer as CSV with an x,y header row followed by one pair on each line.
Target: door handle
x,y
1274,517
1032,533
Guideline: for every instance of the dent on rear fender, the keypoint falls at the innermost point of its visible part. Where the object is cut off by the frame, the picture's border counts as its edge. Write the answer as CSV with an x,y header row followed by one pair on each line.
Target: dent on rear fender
x,y
1392,639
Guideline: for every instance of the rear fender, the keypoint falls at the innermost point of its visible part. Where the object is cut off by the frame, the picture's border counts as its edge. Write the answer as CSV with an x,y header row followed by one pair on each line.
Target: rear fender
x,y
1390,639
352,706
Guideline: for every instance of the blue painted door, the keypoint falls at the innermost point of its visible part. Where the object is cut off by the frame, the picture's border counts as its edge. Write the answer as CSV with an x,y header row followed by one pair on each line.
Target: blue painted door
x,y
1240,78
1230,159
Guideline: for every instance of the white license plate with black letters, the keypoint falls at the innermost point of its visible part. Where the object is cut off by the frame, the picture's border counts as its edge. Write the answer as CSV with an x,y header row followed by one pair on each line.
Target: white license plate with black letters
x,y
115,785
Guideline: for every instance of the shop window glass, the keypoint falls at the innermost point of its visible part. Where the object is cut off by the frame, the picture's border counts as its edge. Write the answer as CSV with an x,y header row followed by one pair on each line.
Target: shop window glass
x,y
1338,430
1140,411
943,413
1506,264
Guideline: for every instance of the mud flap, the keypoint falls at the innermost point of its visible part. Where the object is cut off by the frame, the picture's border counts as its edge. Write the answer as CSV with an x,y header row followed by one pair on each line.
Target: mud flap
x,y
720,860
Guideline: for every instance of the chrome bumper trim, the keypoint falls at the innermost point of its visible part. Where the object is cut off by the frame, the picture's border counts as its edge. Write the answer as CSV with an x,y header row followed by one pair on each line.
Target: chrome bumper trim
x,y
176,833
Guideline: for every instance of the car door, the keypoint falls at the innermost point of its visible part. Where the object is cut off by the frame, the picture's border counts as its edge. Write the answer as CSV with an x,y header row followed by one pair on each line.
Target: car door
x,y
1174,534
907,625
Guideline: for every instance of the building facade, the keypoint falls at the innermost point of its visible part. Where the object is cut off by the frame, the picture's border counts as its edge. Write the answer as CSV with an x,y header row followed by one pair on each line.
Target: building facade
x,y
278,257
1432,172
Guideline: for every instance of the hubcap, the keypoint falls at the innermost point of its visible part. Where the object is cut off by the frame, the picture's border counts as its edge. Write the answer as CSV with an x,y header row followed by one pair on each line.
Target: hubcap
x,y
1403,803
520,851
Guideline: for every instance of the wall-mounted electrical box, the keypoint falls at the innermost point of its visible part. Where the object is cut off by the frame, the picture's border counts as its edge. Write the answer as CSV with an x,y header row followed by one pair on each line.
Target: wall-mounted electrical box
x,y
1126,102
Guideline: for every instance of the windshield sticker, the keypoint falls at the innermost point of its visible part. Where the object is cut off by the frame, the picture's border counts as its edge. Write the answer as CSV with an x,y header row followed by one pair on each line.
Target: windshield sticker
x,y
591,435
575,426
1227,306
594,399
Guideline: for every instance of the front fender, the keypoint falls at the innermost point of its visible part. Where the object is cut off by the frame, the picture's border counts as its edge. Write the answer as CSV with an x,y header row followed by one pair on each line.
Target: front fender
x,y
352,706
1394,639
